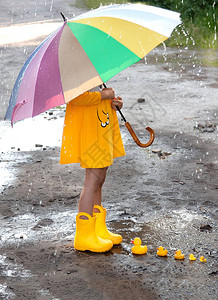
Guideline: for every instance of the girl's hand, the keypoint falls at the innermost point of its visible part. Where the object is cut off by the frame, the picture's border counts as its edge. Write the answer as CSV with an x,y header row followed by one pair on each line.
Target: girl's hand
x,y
107,93
117,102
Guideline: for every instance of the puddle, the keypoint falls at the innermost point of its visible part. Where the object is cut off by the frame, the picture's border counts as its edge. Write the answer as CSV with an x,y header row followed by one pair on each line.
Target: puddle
x,y
120,249
29,227
7,176
28,31
12,269
32,134
174,230
7,170
178,222
5,293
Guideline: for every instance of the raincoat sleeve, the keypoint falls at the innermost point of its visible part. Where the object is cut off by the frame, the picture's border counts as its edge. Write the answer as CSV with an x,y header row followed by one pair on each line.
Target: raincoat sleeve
x,y
87,98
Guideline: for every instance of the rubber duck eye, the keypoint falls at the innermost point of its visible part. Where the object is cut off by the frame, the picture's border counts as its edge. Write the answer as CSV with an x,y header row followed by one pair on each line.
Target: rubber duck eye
x,y
103,124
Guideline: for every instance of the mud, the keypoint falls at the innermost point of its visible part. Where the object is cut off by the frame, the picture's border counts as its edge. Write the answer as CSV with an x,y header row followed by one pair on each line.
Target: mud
x,y
165,194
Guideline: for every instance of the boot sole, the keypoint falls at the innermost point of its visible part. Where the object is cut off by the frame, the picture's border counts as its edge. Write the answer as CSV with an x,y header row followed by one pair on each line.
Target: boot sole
x,y
92,250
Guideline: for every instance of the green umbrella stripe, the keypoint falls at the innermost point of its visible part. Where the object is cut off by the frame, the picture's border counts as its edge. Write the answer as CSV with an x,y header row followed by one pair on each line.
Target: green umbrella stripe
x,y
108,56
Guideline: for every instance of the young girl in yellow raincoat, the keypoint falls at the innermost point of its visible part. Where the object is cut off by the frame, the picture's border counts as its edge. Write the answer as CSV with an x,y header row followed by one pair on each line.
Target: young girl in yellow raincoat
x,y
91,137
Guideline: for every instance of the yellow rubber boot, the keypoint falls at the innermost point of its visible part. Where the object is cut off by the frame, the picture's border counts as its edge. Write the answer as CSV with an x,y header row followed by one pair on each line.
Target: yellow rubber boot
x,y
86,237
101,228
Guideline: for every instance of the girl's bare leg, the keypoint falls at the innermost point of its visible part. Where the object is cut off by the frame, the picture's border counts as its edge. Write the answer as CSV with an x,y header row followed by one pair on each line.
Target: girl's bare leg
x,y
91,193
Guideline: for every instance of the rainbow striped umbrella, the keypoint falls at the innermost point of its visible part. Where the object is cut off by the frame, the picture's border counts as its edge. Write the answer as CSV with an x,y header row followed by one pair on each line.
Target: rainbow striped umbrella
x,y
85,52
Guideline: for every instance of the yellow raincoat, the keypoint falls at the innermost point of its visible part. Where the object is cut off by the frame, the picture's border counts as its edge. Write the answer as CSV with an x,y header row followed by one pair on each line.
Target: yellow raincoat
x,y
91,134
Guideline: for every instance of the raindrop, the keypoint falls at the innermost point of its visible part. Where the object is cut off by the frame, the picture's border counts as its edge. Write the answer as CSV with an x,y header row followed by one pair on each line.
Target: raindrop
x,y
164,45
51,6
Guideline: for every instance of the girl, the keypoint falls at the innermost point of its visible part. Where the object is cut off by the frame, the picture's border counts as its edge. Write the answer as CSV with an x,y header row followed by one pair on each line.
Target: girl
x,y
91,137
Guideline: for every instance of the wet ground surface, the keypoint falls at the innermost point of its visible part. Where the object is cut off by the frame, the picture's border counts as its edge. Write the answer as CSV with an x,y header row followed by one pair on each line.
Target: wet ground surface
x,y
164,202
166,194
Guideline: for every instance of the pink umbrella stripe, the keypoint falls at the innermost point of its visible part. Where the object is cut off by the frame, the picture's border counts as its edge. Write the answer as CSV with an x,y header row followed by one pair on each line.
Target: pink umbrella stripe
x,y
50,85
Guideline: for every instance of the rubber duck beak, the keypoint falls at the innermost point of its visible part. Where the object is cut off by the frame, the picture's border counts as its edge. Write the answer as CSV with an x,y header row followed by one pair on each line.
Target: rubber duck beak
x,y
132,242
157,248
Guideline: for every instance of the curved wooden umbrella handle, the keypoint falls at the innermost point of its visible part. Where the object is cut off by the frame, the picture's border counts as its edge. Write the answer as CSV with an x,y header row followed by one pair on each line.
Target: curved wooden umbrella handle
x,y
131,131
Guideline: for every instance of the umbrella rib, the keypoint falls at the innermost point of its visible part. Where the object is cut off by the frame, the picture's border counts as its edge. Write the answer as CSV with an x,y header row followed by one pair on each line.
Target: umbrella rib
x,y
39,69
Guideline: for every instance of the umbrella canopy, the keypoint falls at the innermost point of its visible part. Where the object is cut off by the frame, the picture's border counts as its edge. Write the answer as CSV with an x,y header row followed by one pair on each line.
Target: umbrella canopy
x,y
85,52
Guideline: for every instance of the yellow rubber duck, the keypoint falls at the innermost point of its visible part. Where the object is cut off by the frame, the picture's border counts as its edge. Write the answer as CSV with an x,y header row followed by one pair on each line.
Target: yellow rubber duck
x,y
202,259
179,255
192,257
137,248
161,251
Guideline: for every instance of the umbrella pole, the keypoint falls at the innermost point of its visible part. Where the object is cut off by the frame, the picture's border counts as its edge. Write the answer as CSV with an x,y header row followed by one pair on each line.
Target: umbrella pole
x,y
131,131
63,16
